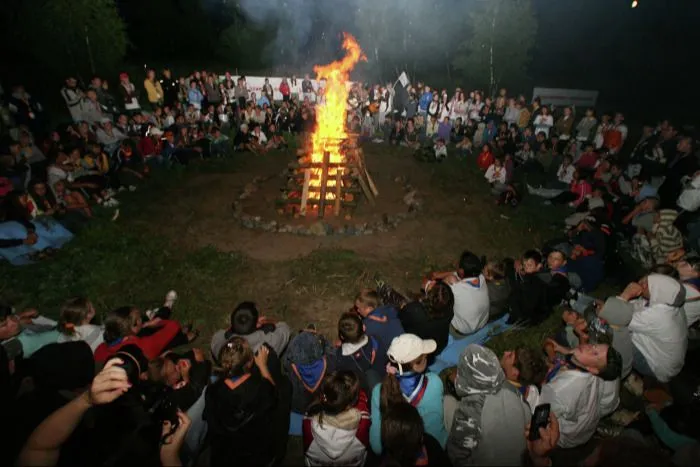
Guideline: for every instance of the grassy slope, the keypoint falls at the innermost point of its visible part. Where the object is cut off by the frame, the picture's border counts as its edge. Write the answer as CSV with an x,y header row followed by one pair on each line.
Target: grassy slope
x,y
119,263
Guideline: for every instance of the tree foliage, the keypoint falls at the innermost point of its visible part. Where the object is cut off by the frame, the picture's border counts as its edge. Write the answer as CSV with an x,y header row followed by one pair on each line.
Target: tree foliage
x,y
81,35
497,51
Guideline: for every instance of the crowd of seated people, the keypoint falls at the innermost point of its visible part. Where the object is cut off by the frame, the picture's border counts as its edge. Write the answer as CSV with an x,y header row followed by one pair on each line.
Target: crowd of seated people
x,y
407,380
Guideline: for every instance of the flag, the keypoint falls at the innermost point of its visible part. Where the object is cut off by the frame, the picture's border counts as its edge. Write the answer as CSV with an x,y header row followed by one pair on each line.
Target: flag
x,y
403,78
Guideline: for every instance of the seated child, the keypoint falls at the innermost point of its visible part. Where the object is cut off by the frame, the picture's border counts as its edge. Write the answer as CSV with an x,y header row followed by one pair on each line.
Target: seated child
x,y
186,374
528,299
336,426
498,287
471,309
247,408
409,381
124,326
23,334
360,352
485,158
74,323
496,177
428,316
525,369
245,321
308,359
381,321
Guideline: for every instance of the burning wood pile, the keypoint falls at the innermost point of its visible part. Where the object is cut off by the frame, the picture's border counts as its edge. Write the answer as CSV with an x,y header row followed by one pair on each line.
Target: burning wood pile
x,y
319,187
331,165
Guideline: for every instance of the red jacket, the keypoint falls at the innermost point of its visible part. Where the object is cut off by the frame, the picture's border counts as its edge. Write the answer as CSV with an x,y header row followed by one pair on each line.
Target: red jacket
x,y
485,160
152,346
284,89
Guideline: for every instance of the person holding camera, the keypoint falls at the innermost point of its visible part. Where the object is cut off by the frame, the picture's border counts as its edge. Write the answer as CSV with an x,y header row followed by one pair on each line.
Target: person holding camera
x,y
46,444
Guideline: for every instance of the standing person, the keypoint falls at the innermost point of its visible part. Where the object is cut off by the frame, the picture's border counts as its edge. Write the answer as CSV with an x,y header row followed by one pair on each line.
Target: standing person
x,y
285,90
212,91
241,93
154,91
247,408
267,91
195,96
73,95
127,90
170,88
307,89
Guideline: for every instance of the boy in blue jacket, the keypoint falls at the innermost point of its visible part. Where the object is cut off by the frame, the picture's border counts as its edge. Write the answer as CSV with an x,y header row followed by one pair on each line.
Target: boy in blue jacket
x,y
359,352
380,321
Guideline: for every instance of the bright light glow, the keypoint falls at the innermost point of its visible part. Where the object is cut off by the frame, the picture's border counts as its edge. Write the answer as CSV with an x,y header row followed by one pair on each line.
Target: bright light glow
x,y
331,115
635,3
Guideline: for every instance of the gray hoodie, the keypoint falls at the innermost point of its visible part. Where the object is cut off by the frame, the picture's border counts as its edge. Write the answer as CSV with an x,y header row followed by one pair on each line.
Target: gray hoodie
x,y
490,421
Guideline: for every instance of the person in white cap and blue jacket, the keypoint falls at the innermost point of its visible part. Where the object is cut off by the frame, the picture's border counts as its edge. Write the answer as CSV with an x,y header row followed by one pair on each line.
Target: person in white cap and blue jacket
x,y
408,382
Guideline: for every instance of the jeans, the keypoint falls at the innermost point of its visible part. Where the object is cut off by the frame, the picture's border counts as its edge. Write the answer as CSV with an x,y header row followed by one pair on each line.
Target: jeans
x,y
640,364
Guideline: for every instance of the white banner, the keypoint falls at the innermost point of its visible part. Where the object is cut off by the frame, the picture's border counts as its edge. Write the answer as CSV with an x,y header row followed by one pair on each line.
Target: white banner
x,y
563,97
255,84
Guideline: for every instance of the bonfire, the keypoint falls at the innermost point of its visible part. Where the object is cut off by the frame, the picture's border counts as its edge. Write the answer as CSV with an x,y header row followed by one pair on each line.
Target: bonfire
x,y
332,162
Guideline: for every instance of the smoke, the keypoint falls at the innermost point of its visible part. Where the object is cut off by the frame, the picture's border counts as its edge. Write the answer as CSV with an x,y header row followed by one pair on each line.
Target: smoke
x,y
395,34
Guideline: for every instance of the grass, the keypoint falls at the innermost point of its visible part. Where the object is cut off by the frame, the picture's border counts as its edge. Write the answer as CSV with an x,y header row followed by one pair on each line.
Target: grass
x,y
136,259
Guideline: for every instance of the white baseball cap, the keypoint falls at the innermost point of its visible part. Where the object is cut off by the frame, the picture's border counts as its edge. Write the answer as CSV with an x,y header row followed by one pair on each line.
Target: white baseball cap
x,y
408,347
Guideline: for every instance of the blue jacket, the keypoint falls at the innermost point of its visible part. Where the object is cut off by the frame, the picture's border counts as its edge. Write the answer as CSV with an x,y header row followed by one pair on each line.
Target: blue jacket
x,y
429,408
384,323
194,96
262,100
425,100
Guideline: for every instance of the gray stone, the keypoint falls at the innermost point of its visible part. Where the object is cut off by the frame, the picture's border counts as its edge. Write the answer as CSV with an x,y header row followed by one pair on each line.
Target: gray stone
x,y
350,229
410,197
269,226
318,228
369,232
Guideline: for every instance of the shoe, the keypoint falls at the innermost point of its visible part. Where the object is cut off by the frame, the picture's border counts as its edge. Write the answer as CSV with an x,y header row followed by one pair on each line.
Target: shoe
x,y
132,188
170,299
623,417
110,192
115,216
634,384
529,188
547,203
111,203
122,188
151,313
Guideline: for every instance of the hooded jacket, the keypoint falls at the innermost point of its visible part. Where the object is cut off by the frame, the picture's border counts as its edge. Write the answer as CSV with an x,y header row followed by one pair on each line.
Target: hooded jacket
x,y
308,359
489,422
340,439
659,327
611,324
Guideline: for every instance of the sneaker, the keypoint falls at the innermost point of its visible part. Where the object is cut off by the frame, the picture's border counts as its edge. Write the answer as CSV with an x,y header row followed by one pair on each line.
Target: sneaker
x,y
110,192
623,417
122,188
529,188
151,313
634,384
132,188
110,203
170,299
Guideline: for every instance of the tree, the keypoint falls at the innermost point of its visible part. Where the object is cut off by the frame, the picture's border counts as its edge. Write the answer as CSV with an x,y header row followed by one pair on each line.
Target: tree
x,y
69,36
502,35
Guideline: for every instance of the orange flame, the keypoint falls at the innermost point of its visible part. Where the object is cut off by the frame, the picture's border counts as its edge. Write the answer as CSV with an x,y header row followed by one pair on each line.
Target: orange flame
x,y
331,113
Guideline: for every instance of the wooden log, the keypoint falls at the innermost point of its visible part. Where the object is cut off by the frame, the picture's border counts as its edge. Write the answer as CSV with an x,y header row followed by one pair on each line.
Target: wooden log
x,y
324,184
313,202
305,192
338,192
332,189
372,186
319,165
365,189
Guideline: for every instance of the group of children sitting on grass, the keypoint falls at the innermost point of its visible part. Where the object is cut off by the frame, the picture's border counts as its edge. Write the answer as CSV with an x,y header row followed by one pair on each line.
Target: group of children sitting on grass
x,y
408,381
